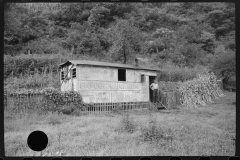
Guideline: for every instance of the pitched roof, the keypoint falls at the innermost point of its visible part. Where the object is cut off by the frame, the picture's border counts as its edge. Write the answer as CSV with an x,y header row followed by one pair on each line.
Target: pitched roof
x,y
105,64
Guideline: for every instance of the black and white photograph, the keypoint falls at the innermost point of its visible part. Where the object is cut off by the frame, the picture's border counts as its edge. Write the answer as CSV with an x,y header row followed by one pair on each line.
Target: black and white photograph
x,y
119,79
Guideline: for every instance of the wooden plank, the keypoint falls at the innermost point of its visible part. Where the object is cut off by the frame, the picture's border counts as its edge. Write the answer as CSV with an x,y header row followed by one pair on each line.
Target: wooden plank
x,y
95,108
106,107
102,108
99,108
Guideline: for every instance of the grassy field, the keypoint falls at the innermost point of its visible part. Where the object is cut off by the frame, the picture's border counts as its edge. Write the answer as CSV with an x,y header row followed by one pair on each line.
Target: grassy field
x,y
207,130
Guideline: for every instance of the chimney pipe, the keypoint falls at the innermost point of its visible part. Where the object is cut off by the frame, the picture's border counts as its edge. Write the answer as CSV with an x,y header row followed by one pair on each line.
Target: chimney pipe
x,y
136,62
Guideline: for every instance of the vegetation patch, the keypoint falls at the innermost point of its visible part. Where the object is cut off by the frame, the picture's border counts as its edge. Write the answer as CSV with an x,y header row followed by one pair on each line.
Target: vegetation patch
x,y
153,132
127,124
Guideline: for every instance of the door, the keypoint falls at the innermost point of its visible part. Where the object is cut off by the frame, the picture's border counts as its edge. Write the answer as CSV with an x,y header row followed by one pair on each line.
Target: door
x,y
151,80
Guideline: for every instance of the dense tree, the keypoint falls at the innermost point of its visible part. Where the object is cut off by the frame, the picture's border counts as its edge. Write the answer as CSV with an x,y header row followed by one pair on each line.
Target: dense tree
x,y
185,34
126,40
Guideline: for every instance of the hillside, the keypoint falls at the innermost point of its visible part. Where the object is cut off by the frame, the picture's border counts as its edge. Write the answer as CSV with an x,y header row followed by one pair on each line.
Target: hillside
x,y
179,38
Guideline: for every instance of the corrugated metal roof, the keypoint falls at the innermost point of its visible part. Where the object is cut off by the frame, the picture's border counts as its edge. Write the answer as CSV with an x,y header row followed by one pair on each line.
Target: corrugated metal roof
x,y
106,64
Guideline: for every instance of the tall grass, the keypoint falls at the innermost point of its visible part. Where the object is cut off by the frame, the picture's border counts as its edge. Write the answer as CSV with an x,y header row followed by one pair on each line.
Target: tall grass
x,y
37,81
153,132
208,130
127,124
174,73
37,63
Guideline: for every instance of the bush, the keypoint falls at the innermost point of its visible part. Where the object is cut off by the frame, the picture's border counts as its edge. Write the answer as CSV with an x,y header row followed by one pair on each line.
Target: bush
x,y
25,64
65,102
118,109
175,73
48,99
154,133
37,81
127,124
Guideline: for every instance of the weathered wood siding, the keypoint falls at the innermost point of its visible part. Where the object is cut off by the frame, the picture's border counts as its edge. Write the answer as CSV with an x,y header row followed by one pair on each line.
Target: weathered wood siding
x,y
101,85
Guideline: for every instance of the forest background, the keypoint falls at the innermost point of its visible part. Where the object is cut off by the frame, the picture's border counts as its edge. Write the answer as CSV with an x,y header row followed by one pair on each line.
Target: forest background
x,y
180,39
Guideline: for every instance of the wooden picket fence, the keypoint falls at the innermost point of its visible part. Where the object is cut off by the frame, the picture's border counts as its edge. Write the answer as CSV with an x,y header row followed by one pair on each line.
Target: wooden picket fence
x,y
98,108
33,102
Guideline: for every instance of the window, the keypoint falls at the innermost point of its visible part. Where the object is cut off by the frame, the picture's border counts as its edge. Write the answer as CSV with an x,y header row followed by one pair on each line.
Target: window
x,y
121,75
74,73
62,75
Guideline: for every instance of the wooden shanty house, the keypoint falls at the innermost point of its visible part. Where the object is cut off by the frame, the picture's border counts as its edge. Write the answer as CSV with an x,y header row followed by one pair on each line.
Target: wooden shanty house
x,y
102,82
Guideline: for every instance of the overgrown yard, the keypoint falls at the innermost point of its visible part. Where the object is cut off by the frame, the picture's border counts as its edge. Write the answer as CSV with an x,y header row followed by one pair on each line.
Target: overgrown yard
x,y
206,130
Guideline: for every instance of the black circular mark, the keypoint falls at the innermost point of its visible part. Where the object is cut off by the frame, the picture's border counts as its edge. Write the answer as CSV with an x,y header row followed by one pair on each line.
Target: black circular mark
x,y
37,140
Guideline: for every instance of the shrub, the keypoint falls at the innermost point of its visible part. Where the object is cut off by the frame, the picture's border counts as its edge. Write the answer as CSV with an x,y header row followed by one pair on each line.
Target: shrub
x,y
25,64
127,124
48,99
175,73
65,102
153,132
37,81
118,109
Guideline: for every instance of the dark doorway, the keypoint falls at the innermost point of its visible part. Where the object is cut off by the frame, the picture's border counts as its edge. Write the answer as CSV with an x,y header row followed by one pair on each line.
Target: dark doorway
x,y
121,75
151,80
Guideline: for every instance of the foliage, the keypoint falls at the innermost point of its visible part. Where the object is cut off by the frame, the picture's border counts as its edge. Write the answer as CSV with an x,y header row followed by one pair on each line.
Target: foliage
x,y
99,16
118,109
184,34
200,91
126,40
25,64
61,99
51,100
37,81
127,124
174,73
224,63
153,132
